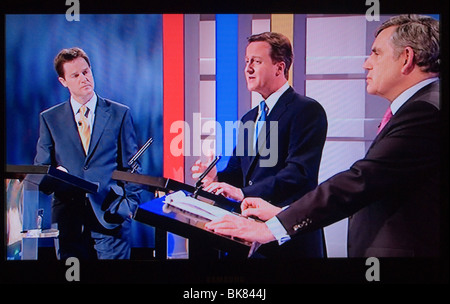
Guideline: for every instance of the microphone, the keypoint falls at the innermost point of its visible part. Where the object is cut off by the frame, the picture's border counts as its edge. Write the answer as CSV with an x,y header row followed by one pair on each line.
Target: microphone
x,y
133,161
199,183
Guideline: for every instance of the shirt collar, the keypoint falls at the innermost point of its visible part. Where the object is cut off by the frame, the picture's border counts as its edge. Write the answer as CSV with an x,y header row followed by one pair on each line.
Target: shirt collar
x,y
407,94
273,98
91,104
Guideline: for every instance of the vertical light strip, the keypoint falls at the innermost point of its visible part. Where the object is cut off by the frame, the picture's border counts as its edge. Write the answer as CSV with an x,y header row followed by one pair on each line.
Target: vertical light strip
x,y
284,24
244,96
173,93
299,65
192,95
226,81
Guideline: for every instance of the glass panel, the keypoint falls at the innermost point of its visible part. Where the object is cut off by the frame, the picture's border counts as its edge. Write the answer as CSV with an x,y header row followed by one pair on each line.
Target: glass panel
x,y
343,101
207,47
339,156
260,26
208,99
335,45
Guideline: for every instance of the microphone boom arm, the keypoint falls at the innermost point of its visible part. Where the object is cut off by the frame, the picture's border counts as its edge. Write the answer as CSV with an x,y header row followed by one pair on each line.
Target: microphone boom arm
x,y
199,184
133,161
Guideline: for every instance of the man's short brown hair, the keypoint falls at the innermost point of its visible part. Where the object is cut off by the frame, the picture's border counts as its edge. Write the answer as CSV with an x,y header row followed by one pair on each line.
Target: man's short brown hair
x,y
281,48
67,55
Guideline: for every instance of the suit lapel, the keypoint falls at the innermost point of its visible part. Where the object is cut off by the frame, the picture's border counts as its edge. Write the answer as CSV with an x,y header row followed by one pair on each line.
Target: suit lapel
x,y
67,122
275,115
281,106
432,88
102,116
277,112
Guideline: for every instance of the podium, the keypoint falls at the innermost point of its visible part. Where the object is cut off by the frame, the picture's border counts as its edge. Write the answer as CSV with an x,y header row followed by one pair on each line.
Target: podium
x,y
202,242
34,180
152,184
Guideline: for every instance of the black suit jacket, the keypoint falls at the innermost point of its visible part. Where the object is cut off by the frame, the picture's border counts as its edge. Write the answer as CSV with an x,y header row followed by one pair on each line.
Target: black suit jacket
x,y
300,133
113,143
392,194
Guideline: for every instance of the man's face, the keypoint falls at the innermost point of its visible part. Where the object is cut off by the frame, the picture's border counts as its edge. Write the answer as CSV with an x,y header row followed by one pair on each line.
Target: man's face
x,y
78,79
260,71
384,67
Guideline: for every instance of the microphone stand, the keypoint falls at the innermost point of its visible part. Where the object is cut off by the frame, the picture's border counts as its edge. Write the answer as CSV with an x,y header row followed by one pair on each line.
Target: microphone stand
x,y
133,161
199,183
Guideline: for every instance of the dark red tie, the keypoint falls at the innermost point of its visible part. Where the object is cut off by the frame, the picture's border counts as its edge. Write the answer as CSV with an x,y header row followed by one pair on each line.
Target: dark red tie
x,y
385,119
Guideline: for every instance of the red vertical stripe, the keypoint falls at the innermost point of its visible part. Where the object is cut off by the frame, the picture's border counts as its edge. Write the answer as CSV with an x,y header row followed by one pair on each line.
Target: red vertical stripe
x,y
173,91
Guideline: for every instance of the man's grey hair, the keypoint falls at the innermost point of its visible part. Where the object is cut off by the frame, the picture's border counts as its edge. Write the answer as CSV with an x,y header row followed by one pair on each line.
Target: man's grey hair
x,y
421,33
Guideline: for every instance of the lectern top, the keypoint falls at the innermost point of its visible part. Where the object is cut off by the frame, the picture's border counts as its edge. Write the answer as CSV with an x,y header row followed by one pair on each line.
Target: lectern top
x,y
49,179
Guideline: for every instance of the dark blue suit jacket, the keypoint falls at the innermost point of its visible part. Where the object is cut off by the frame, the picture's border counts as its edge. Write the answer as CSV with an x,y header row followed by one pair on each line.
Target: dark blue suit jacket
x,y
302,128
301,133
113,143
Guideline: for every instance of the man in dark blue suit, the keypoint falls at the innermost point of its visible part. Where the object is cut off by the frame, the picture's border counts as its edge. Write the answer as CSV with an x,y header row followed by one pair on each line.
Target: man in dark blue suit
x,y
300,127
89,137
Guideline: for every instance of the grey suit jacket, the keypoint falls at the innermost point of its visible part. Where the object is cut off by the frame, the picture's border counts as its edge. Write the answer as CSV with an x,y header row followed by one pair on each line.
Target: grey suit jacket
x,y
113,143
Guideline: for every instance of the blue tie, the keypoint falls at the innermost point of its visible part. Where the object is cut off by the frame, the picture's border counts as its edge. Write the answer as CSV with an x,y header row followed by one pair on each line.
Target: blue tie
x,y
262,118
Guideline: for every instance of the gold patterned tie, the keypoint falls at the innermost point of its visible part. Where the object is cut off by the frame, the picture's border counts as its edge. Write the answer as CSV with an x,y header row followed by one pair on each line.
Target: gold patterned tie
x,y
84,128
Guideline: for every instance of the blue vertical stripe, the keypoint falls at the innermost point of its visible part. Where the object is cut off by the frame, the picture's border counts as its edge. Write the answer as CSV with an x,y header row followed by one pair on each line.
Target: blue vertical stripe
x,y
226,79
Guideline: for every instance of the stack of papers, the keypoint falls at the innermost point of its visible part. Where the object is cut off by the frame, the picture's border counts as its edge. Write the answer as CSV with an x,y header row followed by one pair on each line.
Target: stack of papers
x,y
194,206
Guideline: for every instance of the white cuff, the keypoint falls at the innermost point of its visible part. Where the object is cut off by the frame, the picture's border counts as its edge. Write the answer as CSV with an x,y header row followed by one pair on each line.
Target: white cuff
x,y
278,230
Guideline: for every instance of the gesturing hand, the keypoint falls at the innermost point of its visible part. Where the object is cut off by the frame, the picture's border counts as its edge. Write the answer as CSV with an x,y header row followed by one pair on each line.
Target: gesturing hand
x,y
225,190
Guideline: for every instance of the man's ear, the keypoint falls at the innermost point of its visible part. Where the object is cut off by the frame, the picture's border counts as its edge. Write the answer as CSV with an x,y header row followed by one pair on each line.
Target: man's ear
x,y
62,81
408,58
280,68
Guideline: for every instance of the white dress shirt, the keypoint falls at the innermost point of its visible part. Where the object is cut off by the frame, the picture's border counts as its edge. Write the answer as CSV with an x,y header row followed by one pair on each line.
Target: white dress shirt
x,y
273,98
91,105
408,93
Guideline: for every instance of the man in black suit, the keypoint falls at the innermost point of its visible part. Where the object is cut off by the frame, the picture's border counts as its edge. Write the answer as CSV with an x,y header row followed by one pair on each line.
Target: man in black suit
x,y
391,195
286,162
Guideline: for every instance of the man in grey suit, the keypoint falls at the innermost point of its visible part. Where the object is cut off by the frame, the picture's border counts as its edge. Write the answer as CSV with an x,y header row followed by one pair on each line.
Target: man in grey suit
x,y
392,195
89,137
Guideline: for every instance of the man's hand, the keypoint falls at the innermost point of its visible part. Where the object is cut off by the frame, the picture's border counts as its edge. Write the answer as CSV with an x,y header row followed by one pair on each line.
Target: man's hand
x,y
225,190
259,208
240,227
199,167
